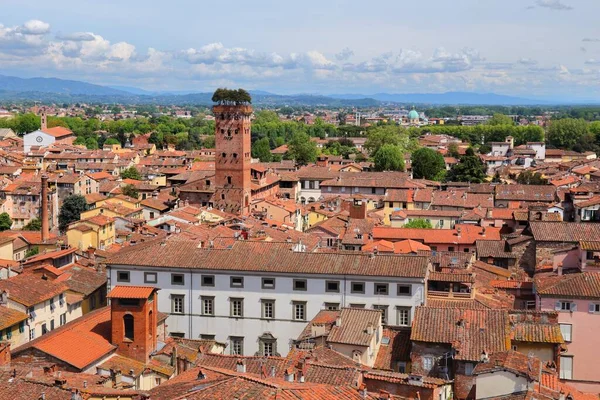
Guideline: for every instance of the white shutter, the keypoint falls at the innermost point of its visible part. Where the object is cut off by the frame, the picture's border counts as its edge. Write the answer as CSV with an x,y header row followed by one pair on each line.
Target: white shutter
x,y
591,308
557,306
573,307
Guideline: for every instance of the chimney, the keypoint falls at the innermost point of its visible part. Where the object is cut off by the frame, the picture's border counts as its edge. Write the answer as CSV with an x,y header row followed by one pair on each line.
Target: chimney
x,y
272,370
338,321
370,329
288,376
559,269
363,391
44,216
240,367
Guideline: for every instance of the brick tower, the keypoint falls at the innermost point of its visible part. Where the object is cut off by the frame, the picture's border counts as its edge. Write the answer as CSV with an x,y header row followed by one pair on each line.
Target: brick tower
x,y
233,157
133,320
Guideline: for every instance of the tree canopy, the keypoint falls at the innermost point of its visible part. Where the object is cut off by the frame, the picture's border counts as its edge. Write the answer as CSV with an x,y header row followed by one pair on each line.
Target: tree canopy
x,y
500,119
131,173
419,223
33,225
302,149
71,210
262,149
5,222
389,157
566,133
427,164
224,96
130,190
530,178
469,169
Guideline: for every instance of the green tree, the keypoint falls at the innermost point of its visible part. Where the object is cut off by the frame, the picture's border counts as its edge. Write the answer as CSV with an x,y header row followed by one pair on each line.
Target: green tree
x,y
33,225
130,190
453,150
427,164
27,123
71,210
91,143
387,134
419,223
469,169
531,178
131,173
389,157
209,142
500,119
566,133
112,140
262,150
5,222
32,252
302,149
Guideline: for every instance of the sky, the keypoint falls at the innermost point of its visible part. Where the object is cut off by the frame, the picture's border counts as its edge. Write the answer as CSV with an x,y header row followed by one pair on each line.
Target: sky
x,y
546,49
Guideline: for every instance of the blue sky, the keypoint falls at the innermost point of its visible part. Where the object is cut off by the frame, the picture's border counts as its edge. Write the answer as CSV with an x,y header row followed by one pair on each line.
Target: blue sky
x,y
530,48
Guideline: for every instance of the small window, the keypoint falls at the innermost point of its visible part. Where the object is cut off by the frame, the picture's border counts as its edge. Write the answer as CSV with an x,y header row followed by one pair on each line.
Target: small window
x,y
44,329
150,277
381,289
300,284
357,287
237,307
566,367
128,327
384,310
354,305
122,276
208,305
177,303
268,309
332,286
129,302
450,248
427,363
177,279
207,337
236,282
594,308
208,280
268,283
179,335
567,332
404,290
403,316
469,369
332,306
236,345
299,310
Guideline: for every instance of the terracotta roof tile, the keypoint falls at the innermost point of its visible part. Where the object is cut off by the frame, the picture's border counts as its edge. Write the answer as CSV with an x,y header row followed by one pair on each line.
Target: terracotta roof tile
x,y
469,332
512,361
131,292
354,326
268,257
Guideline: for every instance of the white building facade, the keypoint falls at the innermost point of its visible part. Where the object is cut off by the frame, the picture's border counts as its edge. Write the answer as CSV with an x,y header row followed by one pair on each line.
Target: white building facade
x,y
260,306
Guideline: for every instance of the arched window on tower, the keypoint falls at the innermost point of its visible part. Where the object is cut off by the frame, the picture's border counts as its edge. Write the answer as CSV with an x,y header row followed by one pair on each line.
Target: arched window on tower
x,y
150,324
128,327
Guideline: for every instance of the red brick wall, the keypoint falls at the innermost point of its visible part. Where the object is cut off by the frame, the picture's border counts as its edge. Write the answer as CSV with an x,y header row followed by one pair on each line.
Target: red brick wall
x,y
233,158
144,335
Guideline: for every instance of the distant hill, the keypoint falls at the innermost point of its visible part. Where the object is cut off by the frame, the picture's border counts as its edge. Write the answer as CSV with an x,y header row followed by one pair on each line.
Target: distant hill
x,y
54,85
60,90
467,98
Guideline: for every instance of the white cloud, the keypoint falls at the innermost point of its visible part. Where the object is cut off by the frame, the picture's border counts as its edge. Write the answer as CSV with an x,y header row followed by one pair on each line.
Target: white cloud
x,y
345,54
590,40
34,27
553,5
76,36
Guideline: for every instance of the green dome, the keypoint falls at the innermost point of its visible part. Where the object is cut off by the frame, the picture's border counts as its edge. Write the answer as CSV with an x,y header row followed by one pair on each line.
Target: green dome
x,y
413,114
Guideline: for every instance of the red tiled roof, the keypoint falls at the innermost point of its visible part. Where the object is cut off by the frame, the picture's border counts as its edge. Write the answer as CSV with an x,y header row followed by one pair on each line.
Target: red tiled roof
x,y
468,234
131,292
353,329
268,256
512,361
568,232
58,131
469,332
578,285
79,343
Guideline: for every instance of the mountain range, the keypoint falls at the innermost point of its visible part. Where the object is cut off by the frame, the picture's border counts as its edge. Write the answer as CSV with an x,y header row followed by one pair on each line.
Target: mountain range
x,y
60,90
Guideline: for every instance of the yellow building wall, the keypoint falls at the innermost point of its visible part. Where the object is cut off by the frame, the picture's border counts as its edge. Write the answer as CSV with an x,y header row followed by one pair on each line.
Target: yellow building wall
x,y
159,180
82,240
6,251
17,338
314,217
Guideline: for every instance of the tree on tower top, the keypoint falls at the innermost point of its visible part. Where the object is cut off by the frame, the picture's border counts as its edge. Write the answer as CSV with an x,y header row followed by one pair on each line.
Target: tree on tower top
x,y
231,97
